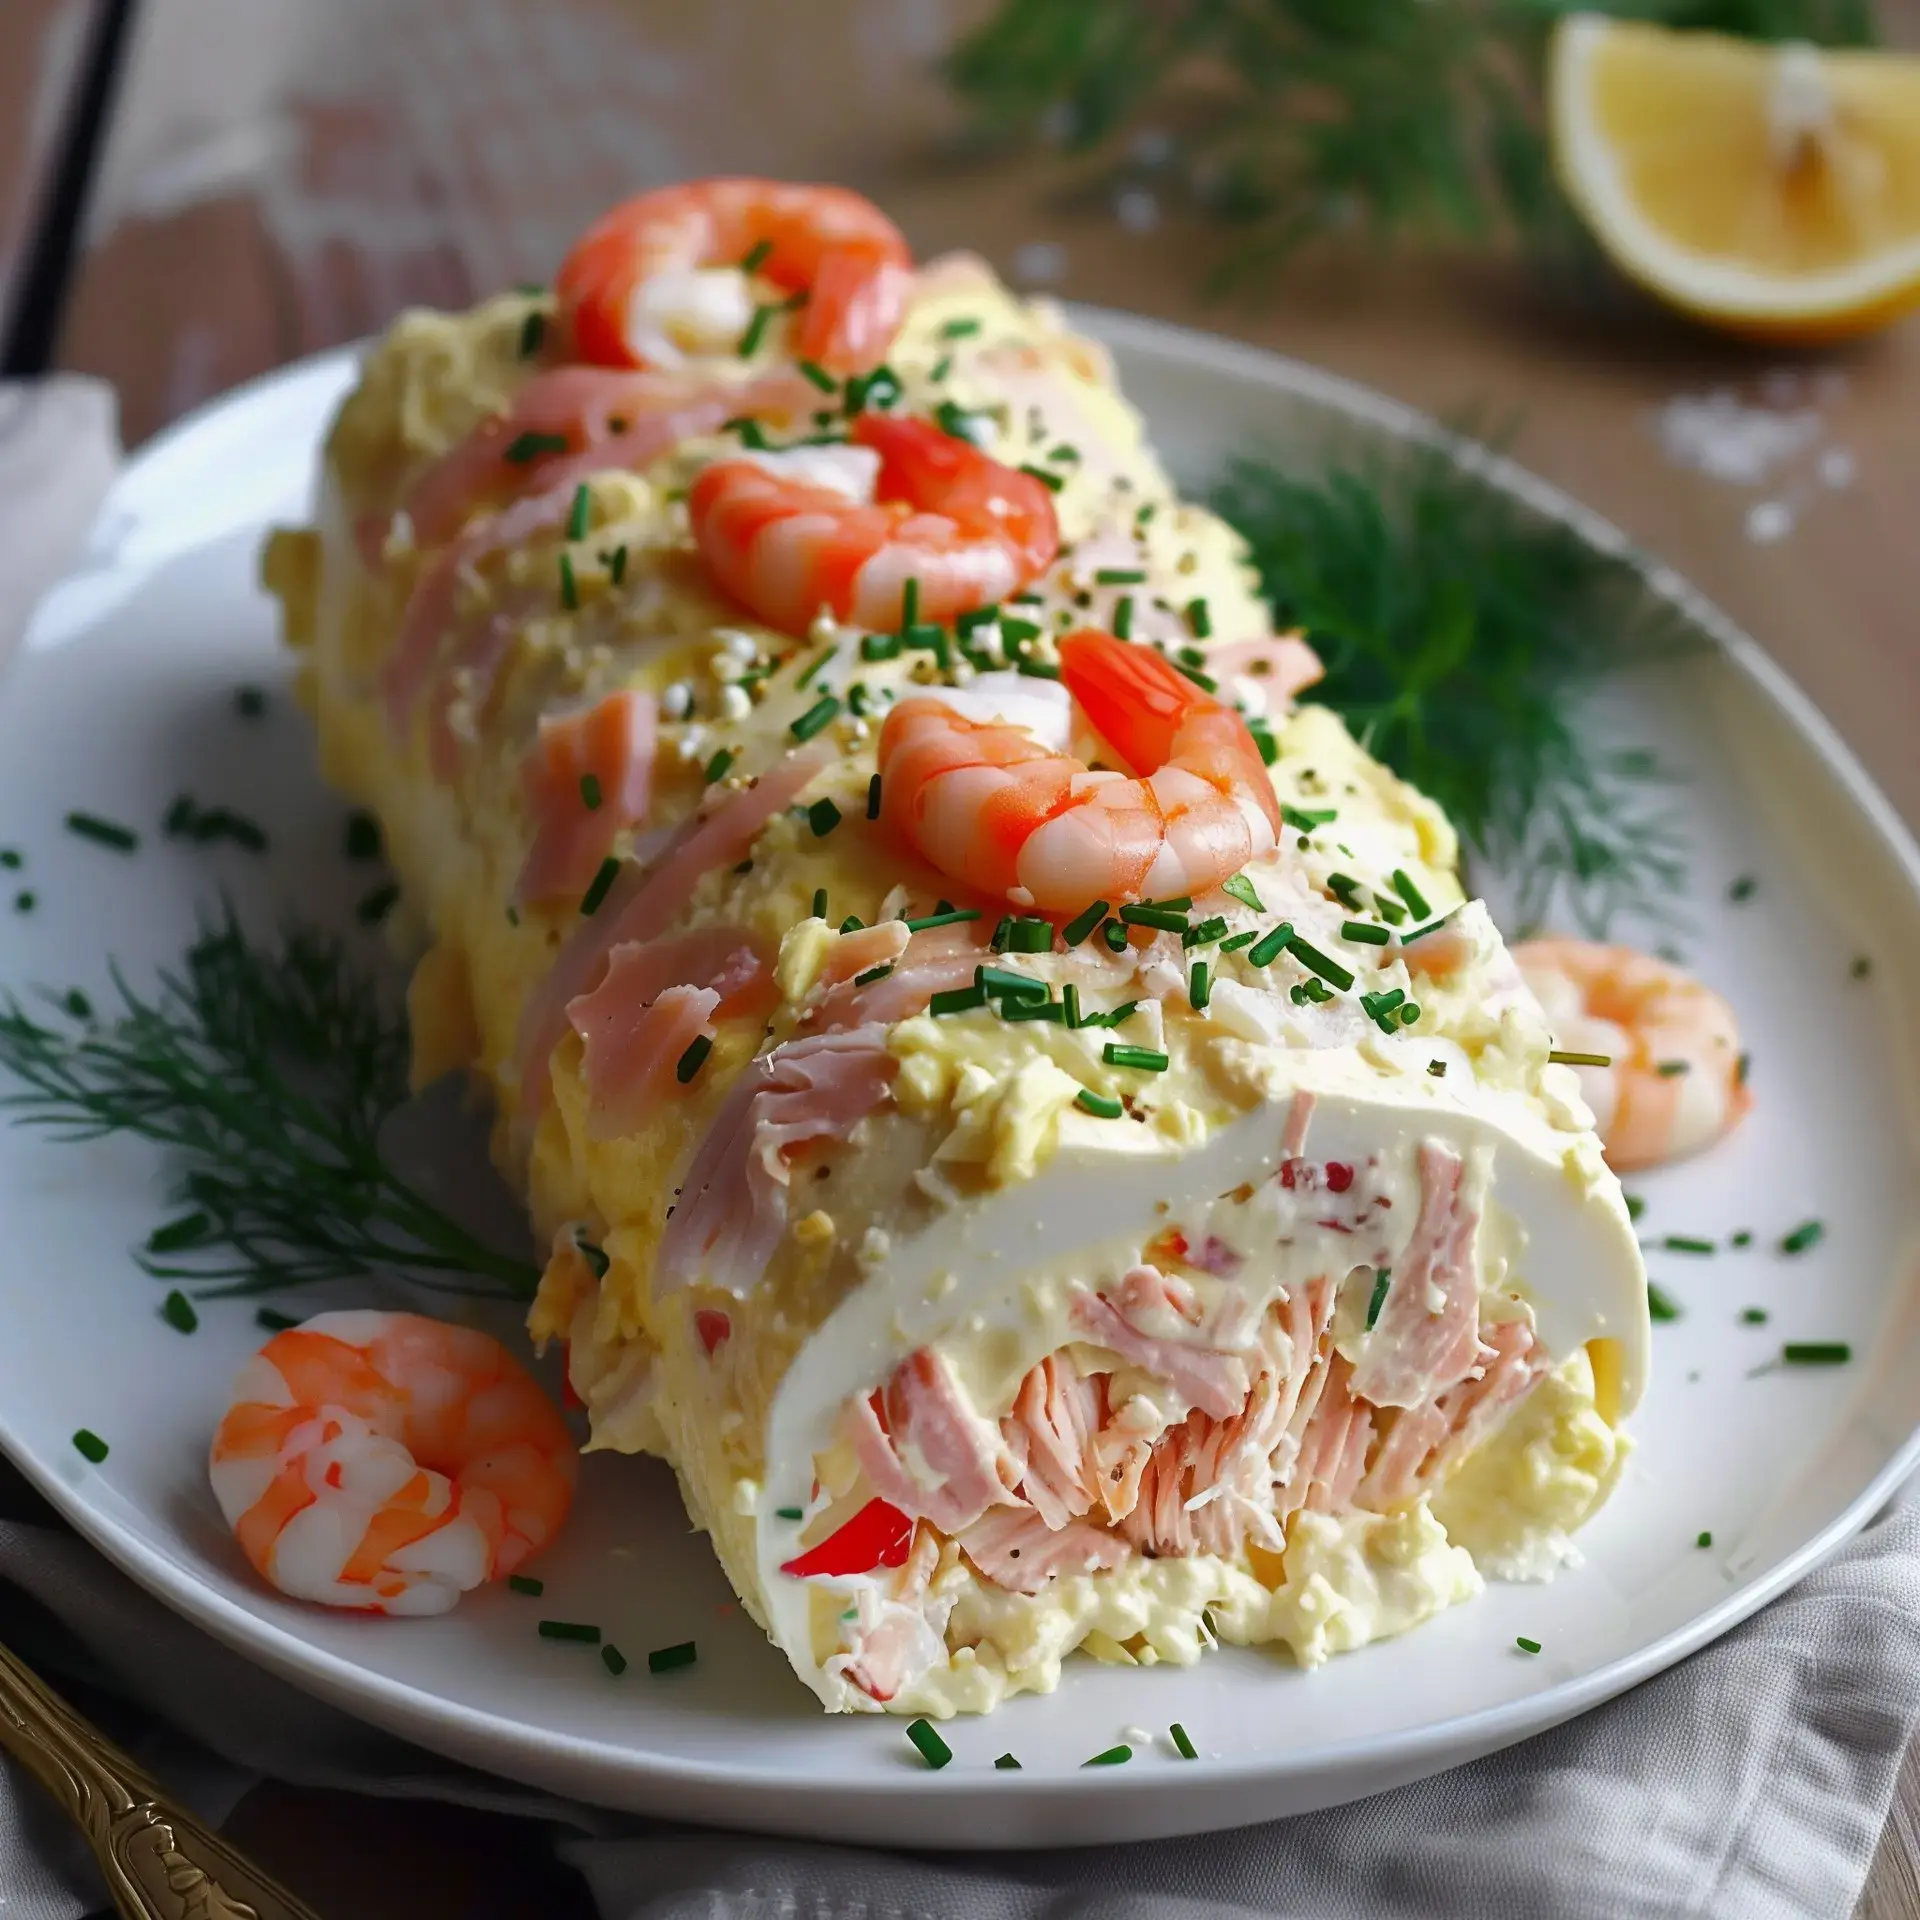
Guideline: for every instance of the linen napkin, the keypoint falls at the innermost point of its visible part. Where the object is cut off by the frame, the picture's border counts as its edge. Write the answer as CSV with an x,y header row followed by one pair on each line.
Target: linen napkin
x,y
1750,1782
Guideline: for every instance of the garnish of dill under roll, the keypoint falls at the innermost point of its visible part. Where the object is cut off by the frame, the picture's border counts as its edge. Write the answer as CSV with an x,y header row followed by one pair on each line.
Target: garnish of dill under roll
x,y
1460,633
267,1071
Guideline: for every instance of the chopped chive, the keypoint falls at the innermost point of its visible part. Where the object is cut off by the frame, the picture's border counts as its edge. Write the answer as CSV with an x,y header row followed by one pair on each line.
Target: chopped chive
x,y
789,1513
1165,919
1381,1282
1754,1316
11,859
670,1659
527,1584
362,837
1030,935
959,329
821,378
947,917
1331,971
926,1739
1002,933
1264,740
1240,940
178,1312
1808,1234
879,646
1205,934
249,702
1123,630
533,330
693,1059
105,833
1199,620
1064,455
1389,910
1305,819
1112,1757
1146,1059
999,980
820,714
273,1320
187,1231
851,924
1636,1206
752,435
1671,1069
1051,481
1364,934
590,792
756,256
909,604
1563,1057
1741,1068
1703,1538
1007,1764
569,586
819,903
823,816
957,1000
716,768
1272,945
578,513
1687,1243
91,1446
816,668
1527,1646
1346,889
756,330
1182,1745
1016,633
570,1630
375,906
1816,1353
1242,890
1661,1305
524,447
1742,889
1119,577
1199,986
1082,924
872,974
613,1660
1115,935
1437,1069
1070,999
616,564
1102,1106
597,892
1861,967
1037,669
1011,1009
1416,901
595,1257
1114,1015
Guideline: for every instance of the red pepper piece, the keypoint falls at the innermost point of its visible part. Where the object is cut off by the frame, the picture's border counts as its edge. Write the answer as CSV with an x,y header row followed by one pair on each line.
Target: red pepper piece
x,y
712,1326
879,1535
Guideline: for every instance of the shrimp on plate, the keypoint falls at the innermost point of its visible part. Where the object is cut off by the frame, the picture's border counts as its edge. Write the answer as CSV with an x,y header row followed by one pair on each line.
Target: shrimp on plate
x,y
992,806
388,1462
907,523
1677,1079
675,270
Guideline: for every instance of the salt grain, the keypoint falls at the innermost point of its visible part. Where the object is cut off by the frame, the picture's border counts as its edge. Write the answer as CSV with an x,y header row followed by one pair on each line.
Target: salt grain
x,y
1836,468
1137,210
1768,521
1040,263
1718,435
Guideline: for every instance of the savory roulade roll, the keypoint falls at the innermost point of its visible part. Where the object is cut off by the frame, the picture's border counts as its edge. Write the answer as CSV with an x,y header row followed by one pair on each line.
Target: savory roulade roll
x,y
1022,1116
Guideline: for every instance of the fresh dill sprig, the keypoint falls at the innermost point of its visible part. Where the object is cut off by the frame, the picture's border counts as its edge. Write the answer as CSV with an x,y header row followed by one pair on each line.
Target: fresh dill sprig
x,y
267,1073
1303,119
1460,633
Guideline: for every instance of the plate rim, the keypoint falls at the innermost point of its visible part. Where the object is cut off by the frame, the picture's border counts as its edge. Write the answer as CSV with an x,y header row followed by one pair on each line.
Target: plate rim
x,y
767,1795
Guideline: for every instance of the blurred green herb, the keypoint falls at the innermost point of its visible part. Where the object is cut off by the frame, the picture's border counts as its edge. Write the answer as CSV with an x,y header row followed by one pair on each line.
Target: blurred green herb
x,y
1460,633
1302,119
268,1072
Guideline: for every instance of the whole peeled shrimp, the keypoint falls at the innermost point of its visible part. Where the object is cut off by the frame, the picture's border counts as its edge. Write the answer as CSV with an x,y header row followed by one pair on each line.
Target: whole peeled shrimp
x,y
388,1462
1676,1079
640,274
995,808
907,523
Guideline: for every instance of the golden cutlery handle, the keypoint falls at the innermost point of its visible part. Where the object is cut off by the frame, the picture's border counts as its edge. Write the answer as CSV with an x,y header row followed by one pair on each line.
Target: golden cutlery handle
x,y
160,1862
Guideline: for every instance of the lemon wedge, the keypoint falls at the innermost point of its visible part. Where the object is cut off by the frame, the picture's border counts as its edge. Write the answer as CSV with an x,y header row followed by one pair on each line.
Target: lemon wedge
x,y
1774,190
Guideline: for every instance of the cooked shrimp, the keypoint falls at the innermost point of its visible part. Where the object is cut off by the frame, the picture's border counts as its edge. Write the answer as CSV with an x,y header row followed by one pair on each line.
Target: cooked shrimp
x,y
639,274
387,1462
1678,1079
787,535
991,806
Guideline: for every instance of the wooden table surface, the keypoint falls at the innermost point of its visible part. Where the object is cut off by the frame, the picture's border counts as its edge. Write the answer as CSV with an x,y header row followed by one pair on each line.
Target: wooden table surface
x,y
281,178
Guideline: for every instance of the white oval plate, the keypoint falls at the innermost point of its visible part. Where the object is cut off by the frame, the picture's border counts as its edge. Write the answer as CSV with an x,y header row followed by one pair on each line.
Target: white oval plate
x,y
124,697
